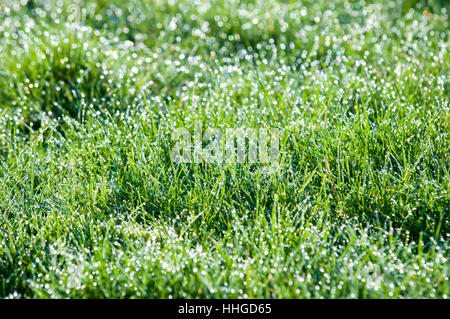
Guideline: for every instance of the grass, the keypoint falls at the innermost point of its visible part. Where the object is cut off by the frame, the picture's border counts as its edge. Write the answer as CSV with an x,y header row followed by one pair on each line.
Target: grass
x,y
91,206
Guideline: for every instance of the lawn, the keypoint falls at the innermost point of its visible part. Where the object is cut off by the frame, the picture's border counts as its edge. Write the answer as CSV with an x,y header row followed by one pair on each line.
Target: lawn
x,y
93,205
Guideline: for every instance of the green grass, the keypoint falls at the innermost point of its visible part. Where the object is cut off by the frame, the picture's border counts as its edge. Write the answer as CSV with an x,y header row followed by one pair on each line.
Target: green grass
x,y
91,206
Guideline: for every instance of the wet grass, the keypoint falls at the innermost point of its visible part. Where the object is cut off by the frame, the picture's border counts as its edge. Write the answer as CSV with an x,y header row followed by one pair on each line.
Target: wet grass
x,y
92,206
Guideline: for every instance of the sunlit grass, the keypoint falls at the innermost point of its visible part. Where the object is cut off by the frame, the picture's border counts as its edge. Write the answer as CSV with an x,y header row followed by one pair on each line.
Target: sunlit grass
x,y
92,206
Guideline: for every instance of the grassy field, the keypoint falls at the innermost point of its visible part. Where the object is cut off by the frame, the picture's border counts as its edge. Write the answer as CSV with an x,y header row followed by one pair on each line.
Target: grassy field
x,y
92,206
